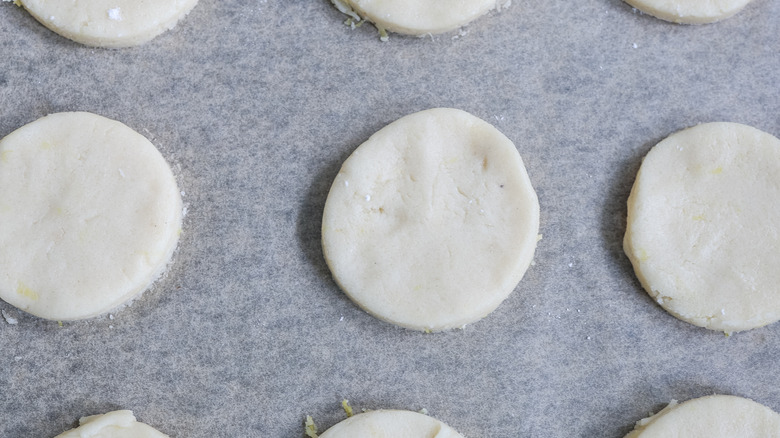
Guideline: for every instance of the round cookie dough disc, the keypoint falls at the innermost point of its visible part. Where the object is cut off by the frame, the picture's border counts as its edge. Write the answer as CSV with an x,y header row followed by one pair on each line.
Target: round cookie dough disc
x,y
390,424
420,17
690,11
109,23
432,222
716,416
89,215
703,227
115,424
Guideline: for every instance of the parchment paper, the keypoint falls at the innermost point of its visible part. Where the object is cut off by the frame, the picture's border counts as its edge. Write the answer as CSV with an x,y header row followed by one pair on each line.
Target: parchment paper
x,y
256,103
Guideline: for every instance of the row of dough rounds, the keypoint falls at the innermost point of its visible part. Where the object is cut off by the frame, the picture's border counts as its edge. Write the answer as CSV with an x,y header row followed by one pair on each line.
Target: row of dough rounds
x,y
430,224
422,17
717,416
124,23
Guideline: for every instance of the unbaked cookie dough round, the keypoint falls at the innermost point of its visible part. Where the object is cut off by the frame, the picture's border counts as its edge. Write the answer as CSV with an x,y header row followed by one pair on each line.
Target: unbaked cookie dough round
x,y
115,424
690,11
390,424
420,17
109,23
703,230
715,416
89,215
432,222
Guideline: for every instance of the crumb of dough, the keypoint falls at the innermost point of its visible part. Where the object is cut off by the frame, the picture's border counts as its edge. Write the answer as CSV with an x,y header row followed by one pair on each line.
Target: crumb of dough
x,y
347,407
310,427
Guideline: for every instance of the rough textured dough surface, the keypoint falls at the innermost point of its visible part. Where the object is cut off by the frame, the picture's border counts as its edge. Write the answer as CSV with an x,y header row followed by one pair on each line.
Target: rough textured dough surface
x,y
715,416
391,424
703,227
432,222
109,23
89,215
420,17
690,11
115,424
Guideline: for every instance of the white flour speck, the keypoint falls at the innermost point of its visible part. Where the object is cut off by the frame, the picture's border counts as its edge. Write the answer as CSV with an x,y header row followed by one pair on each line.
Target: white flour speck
x,y
368,198
635,46
121,173
115,14
9,319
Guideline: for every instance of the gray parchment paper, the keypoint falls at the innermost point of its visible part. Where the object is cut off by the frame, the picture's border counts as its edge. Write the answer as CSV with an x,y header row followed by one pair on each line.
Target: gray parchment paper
x,y
256,103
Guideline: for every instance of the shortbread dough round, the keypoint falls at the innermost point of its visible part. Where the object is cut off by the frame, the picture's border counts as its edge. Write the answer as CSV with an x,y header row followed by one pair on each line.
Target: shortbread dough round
x,y
703,227
715,416
115,424
432,222
419,17
89,215
390,424
690,11
109,23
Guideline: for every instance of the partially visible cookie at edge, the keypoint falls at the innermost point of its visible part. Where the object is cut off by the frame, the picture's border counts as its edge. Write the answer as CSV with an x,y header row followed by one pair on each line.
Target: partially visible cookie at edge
x,y
418,17
715,416
390,424
114,424
690,11
109,23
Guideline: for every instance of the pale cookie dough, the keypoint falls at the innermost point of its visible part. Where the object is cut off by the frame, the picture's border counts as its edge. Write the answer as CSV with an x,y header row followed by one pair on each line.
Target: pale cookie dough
x,y
703,227
419,17
89,215
690,11
432,222
716,416
390,424
109,23
116,424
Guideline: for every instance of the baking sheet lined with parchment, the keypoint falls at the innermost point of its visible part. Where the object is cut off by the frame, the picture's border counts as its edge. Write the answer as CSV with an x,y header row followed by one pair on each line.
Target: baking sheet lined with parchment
x,y
256,103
